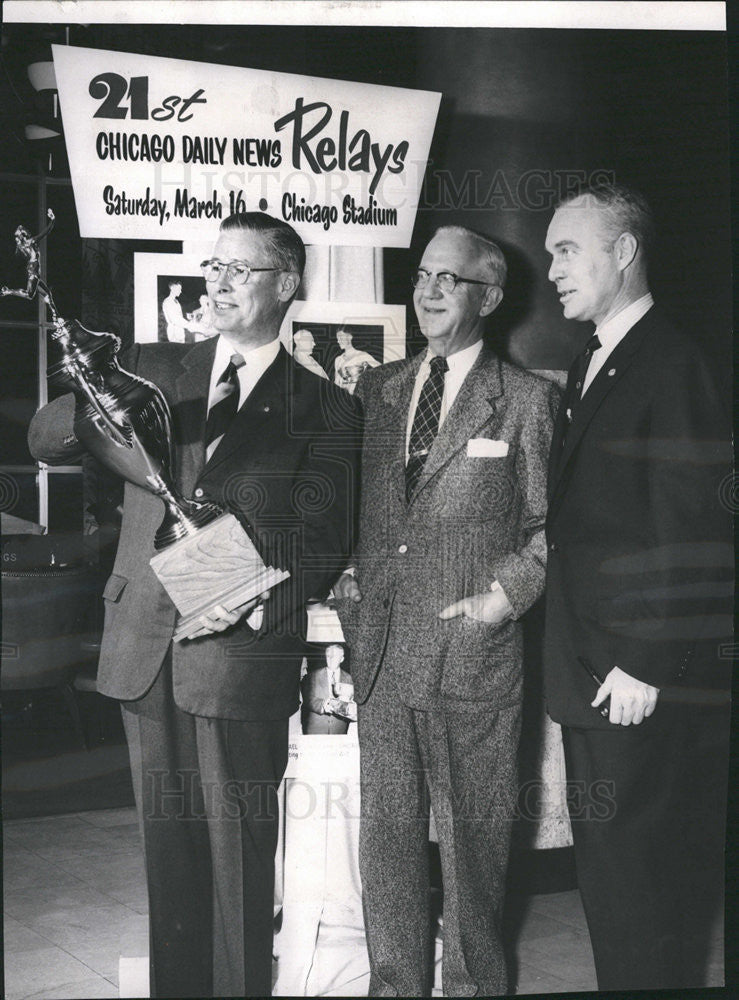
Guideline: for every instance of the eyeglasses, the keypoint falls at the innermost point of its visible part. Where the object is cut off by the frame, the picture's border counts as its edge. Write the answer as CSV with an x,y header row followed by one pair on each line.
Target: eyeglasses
x,y
446,280
236,270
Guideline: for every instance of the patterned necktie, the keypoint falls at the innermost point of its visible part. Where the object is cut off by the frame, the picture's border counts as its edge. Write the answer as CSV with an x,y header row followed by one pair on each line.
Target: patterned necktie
x,y
425,424
224,405
573,392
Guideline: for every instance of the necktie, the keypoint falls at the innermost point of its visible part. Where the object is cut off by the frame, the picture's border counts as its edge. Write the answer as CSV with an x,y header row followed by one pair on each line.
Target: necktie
x,y
573,392
425,424
224,405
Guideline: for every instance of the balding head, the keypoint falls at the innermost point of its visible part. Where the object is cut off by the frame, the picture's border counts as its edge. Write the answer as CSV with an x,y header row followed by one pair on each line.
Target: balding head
x,y
458,283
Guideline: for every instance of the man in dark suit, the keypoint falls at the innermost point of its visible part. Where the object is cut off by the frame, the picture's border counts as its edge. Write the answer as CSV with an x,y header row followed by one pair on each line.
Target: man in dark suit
x,y
323,704
207,719
451,554
639,563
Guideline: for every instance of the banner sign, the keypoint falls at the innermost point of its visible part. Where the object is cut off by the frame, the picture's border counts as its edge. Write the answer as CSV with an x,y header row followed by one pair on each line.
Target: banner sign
x,y
164,149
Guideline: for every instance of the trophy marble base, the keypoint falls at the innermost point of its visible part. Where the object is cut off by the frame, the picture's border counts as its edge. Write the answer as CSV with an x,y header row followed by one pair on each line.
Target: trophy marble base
x,y
218,565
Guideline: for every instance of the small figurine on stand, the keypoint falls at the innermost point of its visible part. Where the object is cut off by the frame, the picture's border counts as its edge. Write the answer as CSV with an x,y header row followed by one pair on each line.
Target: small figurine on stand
x,y
28,247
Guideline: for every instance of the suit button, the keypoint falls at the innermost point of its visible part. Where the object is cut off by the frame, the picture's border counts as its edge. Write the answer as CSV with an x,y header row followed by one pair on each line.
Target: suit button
x,y
386,603
553,547
402,549
198,492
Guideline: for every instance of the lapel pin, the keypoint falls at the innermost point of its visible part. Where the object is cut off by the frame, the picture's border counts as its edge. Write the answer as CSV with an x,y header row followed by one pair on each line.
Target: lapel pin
x,y
611,371
266,407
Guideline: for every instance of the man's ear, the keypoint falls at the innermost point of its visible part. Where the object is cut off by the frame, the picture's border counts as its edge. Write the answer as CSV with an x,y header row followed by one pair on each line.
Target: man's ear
x,y
288,285
491,299
625,249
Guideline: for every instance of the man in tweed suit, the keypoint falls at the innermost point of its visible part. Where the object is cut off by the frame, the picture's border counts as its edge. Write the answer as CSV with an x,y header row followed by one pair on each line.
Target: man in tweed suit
x,y
451,554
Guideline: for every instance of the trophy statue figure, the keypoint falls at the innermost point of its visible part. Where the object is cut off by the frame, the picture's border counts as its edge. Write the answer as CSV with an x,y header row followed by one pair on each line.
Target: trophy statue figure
x,y
204,556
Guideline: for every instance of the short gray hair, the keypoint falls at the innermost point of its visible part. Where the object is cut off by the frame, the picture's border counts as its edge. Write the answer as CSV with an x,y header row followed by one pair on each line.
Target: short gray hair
x,y
624,209
282,243
490,252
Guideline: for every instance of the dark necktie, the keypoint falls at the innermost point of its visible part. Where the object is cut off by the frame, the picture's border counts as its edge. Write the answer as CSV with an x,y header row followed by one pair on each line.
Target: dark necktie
x,y
225,403
425,424
576,378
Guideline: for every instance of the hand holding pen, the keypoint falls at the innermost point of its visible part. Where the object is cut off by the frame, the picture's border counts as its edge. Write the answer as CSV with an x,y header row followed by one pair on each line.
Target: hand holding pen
x,y
621,698
587,666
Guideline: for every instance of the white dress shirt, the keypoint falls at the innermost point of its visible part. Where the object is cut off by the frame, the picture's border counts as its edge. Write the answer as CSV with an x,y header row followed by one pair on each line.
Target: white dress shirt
x,y
612,332
256,363
459,367
334,679
176,325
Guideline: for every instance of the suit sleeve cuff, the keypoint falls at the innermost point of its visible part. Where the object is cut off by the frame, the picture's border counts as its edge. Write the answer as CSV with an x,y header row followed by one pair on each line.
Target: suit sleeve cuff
x,y
496,587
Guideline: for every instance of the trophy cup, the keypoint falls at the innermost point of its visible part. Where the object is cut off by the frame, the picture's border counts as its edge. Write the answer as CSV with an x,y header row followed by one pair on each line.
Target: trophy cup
x,y
204,556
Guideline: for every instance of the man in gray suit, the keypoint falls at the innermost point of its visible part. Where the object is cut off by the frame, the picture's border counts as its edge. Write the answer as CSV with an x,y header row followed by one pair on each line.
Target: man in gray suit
x,y
207,719
451,554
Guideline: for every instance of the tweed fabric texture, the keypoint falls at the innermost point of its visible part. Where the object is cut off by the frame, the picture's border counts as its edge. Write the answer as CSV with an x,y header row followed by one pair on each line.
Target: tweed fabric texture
x,y
440,700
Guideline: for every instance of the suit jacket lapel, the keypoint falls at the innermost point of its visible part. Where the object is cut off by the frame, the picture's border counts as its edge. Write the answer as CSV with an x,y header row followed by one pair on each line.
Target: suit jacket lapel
x,y
396,398
473,407
268,395
610,374
191,388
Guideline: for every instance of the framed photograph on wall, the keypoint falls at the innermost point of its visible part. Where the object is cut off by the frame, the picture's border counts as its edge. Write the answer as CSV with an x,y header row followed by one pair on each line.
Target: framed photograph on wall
x,y
170,301
338,340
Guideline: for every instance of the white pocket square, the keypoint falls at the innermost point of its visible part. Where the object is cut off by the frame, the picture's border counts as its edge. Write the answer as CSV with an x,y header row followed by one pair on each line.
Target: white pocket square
x,y
485,448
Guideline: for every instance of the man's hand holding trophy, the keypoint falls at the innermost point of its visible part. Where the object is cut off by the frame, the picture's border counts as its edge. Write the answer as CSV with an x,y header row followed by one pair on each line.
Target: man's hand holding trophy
x,y
205,558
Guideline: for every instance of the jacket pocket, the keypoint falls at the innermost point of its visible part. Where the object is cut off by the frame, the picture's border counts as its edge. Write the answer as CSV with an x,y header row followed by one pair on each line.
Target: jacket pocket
x,y
114,587
481,661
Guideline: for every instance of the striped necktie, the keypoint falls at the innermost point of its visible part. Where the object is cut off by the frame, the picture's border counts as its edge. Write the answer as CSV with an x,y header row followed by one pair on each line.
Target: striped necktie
x,y
224,404
425,424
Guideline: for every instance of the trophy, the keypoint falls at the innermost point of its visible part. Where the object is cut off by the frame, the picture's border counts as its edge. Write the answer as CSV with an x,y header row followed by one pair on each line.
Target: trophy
x,y
204,556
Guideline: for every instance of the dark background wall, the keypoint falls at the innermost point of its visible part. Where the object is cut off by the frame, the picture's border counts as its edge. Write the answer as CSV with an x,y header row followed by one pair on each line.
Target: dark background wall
x,y
524,113
533,110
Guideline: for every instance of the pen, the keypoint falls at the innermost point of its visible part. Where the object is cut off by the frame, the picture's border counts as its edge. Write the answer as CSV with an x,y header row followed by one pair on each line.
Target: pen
x,y
588,667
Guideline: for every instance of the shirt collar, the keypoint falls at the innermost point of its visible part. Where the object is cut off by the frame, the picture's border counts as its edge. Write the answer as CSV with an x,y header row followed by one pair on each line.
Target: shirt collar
x,y
615,329
461,361
259,356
